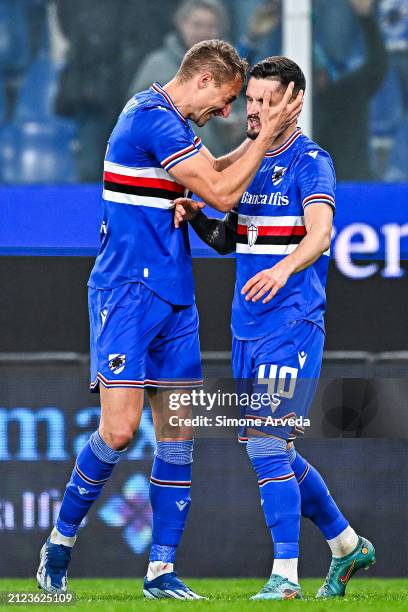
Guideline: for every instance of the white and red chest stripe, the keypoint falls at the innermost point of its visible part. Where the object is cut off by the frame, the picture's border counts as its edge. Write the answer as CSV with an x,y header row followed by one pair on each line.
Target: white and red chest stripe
x,y
269,235
140,186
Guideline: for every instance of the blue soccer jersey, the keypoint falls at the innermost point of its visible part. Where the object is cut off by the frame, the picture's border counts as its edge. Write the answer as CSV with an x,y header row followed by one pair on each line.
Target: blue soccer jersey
x,y
139,242
271,225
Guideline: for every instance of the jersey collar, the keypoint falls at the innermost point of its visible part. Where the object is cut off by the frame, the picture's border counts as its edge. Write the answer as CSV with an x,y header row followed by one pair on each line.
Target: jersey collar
x,y
159,89
283,147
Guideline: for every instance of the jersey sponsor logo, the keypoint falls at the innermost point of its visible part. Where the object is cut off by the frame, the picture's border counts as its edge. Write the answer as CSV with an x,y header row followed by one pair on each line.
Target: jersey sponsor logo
x,y
272,199
252,234
313,154
278,174
117,362
302,356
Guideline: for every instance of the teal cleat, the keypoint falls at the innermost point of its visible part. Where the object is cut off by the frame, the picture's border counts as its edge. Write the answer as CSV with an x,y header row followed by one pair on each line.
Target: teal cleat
x,y
343,568
278,587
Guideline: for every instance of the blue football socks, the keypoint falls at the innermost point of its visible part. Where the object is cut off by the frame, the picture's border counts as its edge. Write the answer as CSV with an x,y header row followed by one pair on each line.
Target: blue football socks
x,y
93,468
170,484
279,493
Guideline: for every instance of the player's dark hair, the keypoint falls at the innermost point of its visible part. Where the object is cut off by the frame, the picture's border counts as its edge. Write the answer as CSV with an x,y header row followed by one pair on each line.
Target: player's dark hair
x,y
280,69
218,57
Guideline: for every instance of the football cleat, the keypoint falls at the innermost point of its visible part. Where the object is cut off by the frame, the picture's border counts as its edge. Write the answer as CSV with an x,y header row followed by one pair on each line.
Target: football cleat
x,y
343,568
279,587
52,571
168,586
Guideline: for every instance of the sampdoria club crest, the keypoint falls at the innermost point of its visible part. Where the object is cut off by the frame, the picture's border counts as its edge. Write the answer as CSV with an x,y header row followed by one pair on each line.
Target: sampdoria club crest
x,y
117,363
252,234
278,174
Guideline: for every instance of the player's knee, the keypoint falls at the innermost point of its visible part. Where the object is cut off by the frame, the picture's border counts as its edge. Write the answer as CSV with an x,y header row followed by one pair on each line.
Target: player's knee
x,y
118,437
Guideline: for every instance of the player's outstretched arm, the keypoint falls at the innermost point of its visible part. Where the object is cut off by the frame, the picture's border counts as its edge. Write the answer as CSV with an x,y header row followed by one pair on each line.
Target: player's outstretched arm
x,y
318,222
222,190
220,163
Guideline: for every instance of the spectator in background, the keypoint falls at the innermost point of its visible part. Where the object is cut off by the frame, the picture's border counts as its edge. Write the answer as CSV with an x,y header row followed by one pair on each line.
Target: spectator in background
x,y
337,32
194,20
22,35
393,19
389,108
341,101
106,41
263,37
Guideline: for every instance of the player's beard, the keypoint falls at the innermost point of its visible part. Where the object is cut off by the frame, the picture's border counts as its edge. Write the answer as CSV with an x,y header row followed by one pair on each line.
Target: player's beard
x,y
252,133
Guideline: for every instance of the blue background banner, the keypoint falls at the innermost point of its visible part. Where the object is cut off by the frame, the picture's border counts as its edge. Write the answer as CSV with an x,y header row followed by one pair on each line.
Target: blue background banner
x,y
371,221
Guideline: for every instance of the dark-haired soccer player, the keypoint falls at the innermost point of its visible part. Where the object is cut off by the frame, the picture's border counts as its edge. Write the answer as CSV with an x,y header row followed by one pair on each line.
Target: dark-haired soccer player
x,y
281,232
144,323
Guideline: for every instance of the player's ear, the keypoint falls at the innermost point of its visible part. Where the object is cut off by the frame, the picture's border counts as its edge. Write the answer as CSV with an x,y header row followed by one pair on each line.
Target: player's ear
x,y
204,80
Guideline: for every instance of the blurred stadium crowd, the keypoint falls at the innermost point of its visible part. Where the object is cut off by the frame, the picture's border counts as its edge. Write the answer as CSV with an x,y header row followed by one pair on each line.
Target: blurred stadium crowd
x,y
68,66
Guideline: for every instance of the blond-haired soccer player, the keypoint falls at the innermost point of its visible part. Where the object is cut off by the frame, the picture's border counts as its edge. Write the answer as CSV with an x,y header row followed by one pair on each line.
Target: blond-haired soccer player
x,y
144,323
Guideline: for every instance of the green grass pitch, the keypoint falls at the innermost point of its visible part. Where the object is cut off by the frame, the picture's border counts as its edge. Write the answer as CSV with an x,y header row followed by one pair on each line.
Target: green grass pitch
x,y
111,594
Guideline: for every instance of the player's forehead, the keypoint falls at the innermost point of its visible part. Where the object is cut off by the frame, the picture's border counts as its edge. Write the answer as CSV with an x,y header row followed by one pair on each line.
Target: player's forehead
x,y
231,89
257,87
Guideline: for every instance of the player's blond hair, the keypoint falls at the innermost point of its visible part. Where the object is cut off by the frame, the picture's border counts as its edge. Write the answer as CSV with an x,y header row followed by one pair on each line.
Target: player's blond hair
x,y
218,57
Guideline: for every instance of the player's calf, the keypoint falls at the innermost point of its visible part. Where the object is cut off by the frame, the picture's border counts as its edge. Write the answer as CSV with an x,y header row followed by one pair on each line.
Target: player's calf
x,y
318,505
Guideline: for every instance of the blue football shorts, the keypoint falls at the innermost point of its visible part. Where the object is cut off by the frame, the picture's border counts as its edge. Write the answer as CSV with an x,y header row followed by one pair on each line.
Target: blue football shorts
x,y
284,365
139,340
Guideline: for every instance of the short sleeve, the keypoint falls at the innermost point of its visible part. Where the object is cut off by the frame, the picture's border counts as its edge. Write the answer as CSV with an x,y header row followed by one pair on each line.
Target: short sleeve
x,y
168,137
316,179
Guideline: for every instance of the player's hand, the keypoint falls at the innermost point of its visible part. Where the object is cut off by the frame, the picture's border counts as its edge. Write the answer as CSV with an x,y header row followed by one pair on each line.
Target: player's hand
x,y
185,210
267,281
275,119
